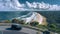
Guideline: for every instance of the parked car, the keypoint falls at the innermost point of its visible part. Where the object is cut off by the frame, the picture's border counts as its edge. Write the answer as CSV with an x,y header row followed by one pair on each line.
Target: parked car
x,y
16,27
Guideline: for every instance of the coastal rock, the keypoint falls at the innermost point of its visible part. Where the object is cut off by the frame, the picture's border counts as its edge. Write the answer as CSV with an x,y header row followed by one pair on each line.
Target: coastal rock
x,y
39,18
34,17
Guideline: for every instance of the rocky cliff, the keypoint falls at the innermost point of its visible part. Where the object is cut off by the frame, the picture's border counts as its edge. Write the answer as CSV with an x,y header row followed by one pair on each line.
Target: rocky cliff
x,y
34,17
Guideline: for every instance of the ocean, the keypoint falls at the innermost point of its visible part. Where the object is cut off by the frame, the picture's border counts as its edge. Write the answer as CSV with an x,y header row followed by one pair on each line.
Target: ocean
x,y
13,14
52,16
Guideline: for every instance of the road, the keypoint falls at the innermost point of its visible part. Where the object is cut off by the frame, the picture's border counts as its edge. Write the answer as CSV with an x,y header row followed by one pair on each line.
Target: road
x,y
6,30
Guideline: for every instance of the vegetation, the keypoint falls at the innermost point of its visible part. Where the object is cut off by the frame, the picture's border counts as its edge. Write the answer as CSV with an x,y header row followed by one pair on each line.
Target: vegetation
x,y
21,22
6,21
18,21
42,26
15,21
52,18
53,27
34,23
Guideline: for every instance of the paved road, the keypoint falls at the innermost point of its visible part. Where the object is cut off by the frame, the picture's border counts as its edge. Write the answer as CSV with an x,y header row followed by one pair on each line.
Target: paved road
x,y
4,30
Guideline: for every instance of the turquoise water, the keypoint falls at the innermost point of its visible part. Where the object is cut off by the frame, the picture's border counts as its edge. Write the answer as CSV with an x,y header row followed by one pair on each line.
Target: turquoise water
x,y
52,16
10,15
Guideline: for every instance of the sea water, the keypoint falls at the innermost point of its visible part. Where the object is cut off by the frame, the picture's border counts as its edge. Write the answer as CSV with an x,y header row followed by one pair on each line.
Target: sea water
x,y
12,14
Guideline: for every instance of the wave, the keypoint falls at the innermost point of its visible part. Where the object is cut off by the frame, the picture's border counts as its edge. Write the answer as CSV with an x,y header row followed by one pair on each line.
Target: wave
x,y
34,16
12,15
28,17
25,16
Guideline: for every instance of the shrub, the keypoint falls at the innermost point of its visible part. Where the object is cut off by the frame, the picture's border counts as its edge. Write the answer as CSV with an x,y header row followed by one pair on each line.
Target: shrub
x,y
52,27
21,22
34,23
15,21
7,21
42,26
18,21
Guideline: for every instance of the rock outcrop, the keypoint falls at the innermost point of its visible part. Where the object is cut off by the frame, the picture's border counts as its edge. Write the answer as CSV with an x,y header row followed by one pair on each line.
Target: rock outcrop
x,y
39,18
35,17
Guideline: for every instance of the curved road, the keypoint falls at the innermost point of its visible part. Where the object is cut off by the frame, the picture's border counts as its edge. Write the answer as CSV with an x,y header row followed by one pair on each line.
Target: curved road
x,y
5,30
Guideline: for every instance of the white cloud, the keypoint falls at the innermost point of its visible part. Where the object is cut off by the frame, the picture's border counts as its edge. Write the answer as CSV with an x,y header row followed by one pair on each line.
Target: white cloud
x,y
54,7
42,5
15,4
31,5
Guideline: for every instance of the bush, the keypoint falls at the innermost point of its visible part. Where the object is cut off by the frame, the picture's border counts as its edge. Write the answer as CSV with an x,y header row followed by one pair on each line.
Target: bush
x,y
42,26
21,22
18,21
53,27
34,23
7,21
15,21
